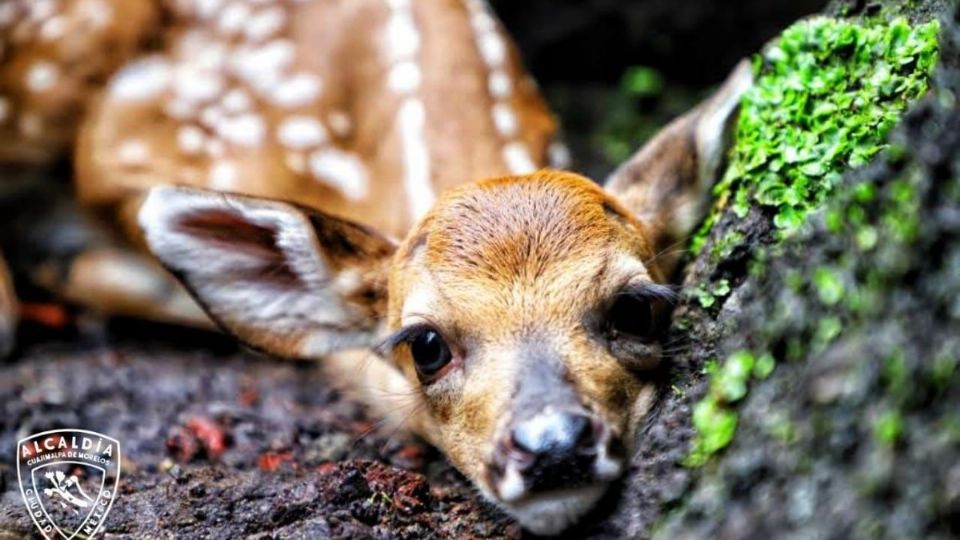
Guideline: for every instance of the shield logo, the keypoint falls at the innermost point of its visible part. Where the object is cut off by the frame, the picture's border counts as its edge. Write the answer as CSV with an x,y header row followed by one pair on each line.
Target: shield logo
x,y
68,479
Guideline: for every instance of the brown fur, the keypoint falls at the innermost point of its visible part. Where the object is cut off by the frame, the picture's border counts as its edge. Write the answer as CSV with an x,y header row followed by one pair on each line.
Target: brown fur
x,y
511,260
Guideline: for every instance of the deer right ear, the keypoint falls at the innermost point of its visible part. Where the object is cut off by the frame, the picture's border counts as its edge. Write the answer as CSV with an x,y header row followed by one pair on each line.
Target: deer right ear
x,y
667,182
286,280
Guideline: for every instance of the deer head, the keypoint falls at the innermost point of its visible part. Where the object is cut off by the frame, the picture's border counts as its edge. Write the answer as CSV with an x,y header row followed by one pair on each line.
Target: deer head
x,y
523,312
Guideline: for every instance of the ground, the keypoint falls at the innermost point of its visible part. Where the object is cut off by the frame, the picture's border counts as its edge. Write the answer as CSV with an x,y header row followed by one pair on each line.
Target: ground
x,y
224,443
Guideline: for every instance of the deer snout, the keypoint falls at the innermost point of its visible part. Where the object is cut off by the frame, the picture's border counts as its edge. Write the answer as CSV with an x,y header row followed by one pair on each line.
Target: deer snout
x,y
554,450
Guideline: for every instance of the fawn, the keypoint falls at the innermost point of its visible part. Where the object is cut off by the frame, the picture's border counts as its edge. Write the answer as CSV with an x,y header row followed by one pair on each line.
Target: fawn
x,y
360,184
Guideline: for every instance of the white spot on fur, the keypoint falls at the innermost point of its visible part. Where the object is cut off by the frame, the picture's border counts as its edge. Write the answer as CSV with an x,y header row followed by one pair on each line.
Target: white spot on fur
x,y
297,91
54,29
500,85
212,116
482,22
518,159
236,101
210,56
416,158
233,17
505,120
404,77
339,122
191,139
402,40
141,80
206,9
401,44
245,130
265,24
194,85
42,76
133,153
223,176
260,67
343,170
301,132
179,109
493,49
98,12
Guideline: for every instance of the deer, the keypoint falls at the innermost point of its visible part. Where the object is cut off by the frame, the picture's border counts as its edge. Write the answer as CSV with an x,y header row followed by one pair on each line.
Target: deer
x,y
376,186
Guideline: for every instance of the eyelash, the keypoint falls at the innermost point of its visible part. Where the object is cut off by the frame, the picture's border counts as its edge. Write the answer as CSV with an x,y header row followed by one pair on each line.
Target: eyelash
x,y
402,336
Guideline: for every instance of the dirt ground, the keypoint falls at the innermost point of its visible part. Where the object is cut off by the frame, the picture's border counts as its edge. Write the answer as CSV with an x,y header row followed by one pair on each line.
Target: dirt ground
x,y
224,444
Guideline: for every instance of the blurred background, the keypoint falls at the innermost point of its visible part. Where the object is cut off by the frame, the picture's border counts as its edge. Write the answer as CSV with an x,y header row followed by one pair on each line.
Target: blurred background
x,y
615,71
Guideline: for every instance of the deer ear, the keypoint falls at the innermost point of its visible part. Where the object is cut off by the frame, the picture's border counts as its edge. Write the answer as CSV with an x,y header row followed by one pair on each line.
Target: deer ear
x,y
285,280
667,182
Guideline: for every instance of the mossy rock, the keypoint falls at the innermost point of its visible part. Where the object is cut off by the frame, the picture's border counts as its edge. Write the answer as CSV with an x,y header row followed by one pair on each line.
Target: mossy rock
x,y
827,363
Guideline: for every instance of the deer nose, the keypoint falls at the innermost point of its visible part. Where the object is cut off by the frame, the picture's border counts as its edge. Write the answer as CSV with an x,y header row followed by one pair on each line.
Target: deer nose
x,y
553,450
553,437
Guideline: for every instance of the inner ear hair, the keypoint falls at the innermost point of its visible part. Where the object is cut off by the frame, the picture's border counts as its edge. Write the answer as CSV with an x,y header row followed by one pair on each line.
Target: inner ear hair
x,y
286,280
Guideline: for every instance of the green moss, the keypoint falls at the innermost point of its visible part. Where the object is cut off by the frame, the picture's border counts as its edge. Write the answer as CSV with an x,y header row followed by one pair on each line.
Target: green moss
x,y
895,375
715,429
888,427
724,247
764,366
943,369
829,285
707,294
713,417
827,92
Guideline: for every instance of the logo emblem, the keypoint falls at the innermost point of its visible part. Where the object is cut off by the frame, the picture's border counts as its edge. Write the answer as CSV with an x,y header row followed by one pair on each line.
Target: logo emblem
x,y
68,479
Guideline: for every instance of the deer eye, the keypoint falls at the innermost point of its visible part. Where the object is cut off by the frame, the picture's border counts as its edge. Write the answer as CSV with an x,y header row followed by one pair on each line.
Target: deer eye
x,y
631,316
430,352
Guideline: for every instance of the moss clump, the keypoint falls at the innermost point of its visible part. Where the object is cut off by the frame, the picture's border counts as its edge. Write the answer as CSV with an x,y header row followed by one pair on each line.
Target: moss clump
x,y
827,93
714,419
707,294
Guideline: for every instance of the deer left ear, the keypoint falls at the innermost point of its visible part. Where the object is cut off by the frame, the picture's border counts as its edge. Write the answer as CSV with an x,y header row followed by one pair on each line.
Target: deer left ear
x,y
286,280
667,182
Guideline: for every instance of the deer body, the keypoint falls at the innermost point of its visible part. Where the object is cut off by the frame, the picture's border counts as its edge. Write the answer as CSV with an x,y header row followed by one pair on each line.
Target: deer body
x,y
356,183
332,104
